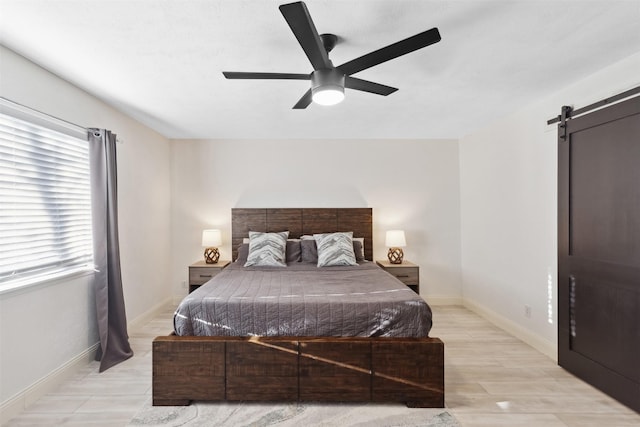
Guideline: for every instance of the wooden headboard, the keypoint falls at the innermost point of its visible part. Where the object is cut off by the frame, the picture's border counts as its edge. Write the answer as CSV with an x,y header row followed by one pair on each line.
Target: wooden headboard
x,y
301,221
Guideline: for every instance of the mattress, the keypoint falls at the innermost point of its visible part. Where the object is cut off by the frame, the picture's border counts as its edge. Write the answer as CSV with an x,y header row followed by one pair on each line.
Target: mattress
x,y
303,300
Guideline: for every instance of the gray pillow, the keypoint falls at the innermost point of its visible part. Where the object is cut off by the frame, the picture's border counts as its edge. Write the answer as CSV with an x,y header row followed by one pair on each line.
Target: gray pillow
x,y
335,249
294,251
243,253
309,251
357,250
267,249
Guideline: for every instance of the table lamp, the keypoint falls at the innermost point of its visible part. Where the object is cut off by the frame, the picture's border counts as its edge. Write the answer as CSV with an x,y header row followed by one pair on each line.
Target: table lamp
x,y
211,239
395,241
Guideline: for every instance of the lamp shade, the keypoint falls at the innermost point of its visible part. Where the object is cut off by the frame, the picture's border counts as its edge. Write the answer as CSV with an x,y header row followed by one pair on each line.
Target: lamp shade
x,y
211,238
395,239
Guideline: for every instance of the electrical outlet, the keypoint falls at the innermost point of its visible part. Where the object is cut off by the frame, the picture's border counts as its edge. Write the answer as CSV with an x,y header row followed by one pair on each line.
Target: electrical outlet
x,y
527,311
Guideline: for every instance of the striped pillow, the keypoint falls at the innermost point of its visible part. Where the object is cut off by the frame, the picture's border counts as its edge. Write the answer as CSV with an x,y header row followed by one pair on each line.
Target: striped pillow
x,y
267,249
335,249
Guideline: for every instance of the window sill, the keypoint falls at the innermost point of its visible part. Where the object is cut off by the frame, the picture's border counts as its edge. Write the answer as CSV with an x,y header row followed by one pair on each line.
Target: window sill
x,y
29,284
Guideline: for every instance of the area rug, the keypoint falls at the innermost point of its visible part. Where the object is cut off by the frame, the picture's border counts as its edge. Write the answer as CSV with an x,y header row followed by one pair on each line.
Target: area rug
x,y
291,414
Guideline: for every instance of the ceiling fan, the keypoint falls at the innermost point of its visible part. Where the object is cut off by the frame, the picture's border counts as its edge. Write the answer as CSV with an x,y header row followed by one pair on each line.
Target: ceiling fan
x,y
327,81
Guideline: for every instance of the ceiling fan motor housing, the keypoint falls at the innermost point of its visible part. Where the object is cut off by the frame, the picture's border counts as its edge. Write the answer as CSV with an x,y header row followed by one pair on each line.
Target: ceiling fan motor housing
x,y
326,78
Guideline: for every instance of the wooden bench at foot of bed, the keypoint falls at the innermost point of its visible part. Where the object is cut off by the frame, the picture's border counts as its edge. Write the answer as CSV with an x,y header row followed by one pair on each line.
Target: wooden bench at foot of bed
x,y
408,370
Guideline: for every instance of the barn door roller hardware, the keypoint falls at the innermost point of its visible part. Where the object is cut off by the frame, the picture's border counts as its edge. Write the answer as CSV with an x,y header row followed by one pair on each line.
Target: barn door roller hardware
x,y
568,112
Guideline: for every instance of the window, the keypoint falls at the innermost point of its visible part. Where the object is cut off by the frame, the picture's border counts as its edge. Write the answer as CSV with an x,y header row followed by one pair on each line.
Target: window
x,y
45,198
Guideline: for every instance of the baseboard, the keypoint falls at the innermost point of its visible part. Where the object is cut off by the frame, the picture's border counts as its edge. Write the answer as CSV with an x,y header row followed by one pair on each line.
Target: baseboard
x,y
443,299
145,317
18,403
544,346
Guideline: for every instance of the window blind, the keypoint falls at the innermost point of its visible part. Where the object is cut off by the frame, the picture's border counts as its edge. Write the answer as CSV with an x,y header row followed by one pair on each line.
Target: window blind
x,y
45,203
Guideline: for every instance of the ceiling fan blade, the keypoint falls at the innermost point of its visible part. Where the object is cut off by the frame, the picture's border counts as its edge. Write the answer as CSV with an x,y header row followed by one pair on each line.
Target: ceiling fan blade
x,y
392,51
367,86
266,76
304,101
298,18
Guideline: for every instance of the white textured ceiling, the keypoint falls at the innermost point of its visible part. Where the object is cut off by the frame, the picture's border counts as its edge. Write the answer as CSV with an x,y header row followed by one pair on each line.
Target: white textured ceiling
x,y
161,61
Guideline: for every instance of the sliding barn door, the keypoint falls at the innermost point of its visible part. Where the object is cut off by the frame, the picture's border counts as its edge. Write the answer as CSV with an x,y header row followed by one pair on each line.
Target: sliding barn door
x,y
599,250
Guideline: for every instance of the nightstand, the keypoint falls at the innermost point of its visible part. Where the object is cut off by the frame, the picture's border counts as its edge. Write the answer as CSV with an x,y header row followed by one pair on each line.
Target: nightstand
x,y
407,272
200,273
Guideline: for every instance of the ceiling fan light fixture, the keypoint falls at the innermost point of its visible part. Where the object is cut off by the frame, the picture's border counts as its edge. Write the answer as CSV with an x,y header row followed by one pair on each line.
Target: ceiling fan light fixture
x,y
328,95
327,87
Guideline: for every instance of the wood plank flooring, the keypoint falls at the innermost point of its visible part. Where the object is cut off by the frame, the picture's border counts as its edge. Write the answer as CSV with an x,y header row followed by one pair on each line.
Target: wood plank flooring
x,y
492,379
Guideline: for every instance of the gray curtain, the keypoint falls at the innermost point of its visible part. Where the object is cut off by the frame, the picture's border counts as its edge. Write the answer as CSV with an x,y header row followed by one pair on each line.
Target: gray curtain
x,y
112,322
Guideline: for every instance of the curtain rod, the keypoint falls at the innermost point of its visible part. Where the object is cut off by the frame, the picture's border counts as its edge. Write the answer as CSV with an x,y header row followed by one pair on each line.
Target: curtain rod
x,y
63,126
610,100
7,103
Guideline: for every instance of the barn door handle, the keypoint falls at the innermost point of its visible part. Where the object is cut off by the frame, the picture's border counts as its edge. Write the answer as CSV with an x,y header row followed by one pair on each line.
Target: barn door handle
x,y
572,304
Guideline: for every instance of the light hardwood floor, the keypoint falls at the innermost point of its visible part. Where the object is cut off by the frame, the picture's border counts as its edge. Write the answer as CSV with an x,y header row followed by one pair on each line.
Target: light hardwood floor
x,y
491,380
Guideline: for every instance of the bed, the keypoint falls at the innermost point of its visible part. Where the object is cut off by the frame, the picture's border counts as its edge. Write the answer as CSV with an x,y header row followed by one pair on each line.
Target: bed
x,y
239,348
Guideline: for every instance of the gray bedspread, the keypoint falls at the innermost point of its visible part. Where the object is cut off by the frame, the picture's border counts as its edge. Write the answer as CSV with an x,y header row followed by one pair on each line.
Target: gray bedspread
x,y
303,300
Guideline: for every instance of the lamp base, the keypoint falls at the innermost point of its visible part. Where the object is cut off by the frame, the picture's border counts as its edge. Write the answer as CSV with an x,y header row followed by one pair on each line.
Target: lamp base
x,y
211,255
395,255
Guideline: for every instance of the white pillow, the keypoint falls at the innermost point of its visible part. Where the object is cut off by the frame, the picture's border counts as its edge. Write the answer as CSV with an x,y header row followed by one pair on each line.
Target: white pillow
x,y
335,249
267,249
246,239
359,239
